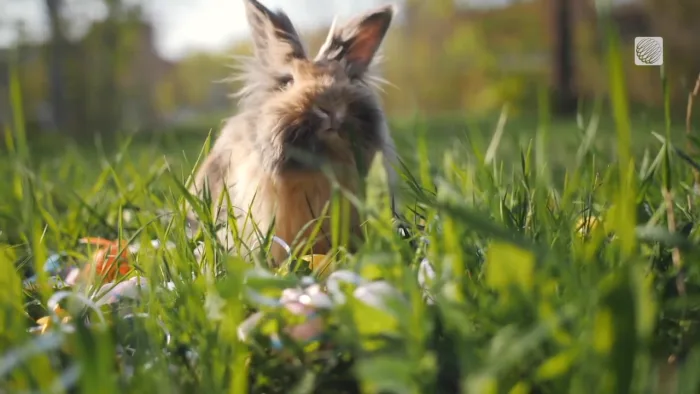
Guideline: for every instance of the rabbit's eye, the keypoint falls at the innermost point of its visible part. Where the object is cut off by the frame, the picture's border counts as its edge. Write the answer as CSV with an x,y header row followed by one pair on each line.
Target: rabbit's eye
x,y
285,81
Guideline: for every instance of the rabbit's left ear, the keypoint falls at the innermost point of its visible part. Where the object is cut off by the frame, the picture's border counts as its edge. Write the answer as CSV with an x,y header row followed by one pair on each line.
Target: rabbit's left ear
x,y
275,40
357,42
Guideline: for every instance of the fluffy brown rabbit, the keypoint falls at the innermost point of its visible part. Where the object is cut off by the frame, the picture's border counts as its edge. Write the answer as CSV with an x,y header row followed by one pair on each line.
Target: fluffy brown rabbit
x,y
298,116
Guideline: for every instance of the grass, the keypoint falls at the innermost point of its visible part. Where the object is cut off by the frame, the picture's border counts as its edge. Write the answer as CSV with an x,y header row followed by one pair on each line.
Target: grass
x,y
528,299
557,270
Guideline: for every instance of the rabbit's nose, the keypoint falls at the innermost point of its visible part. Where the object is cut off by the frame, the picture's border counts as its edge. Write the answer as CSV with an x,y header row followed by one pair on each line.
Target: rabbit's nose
x,y
332,116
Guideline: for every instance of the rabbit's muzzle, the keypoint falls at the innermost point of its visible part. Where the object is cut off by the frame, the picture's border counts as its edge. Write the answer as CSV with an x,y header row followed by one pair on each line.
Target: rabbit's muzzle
x,y
307,145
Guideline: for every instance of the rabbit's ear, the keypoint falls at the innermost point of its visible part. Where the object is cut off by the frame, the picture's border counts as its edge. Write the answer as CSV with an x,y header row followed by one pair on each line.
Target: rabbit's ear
x,y
356,42
275,40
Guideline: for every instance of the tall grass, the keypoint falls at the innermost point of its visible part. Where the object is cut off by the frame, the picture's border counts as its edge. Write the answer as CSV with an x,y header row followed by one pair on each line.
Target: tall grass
x,y
584,282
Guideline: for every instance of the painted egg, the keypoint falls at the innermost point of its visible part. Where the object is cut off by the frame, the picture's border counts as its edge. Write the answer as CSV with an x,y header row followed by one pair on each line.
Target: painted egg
x,y
110,260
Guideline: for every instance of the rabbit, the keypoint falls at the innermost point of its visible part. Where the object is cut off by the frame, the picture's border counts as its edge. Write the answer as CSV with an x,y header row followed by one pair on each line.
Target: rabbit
x,y
297,116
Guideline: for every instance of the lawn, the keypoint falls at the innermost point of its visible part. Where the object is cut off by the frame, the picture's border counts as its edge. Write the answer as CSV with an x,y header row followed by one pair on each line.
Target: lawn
x,y
555,270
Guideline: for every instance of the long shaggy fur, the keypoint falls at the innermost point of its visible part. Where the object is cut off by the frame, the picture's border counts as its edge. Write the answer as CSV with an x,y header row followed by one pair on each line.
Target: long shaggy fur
x,y
299,127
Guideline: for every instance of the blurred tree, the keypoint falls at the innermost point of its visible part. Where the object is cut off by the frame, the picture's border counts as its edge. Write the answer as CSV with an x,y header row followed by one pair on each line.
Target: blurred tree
x,y
56,76
677,23
449,57
565,102
97,81
115,70
110,119
34,78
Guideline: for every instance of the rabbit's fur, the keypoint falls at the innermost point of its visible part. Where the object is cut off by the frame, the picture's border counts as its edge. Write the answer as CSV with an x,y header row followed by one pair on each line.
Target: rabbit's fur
x,y
296,117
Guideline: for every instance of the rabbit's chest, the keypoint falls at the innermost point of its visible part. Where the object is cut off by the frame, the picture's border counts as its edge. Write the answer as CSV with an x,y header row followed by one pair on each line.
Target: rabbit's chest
x,y
294,204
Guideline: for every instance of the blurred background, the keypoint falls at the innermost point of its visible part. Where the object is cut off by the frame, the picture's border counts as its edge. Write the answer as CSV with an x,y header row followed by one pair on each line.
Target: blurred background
x,y
103,66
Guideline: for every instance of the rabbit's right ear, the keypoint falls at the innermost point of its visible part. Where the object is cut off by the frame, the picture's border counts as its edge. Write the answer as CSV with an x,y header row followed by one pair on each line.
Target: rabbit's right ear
x,y
357,41
275,40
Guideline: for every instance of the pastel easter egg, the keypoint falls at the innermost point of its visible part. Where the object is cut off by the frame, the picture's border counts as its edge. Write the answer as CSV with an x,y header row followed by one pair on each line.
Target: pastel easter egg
x,y
110,260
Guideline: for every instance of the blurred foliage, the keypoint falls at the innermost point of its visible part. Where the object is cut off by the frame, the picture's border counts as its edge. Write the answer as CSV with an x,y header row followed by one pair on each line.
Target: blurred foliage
x,y
442,58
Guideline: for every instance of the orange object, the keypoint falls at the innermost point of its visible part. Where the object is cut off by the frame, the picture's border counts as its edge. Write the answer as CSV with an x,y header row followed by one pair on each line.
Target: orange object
x,y
60,311
108,260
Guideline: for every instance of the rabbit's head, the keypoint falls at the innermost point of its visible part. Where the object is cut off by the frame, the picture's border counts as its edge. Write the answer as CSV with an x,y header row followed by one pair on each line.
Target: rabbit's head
x,y
305,112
